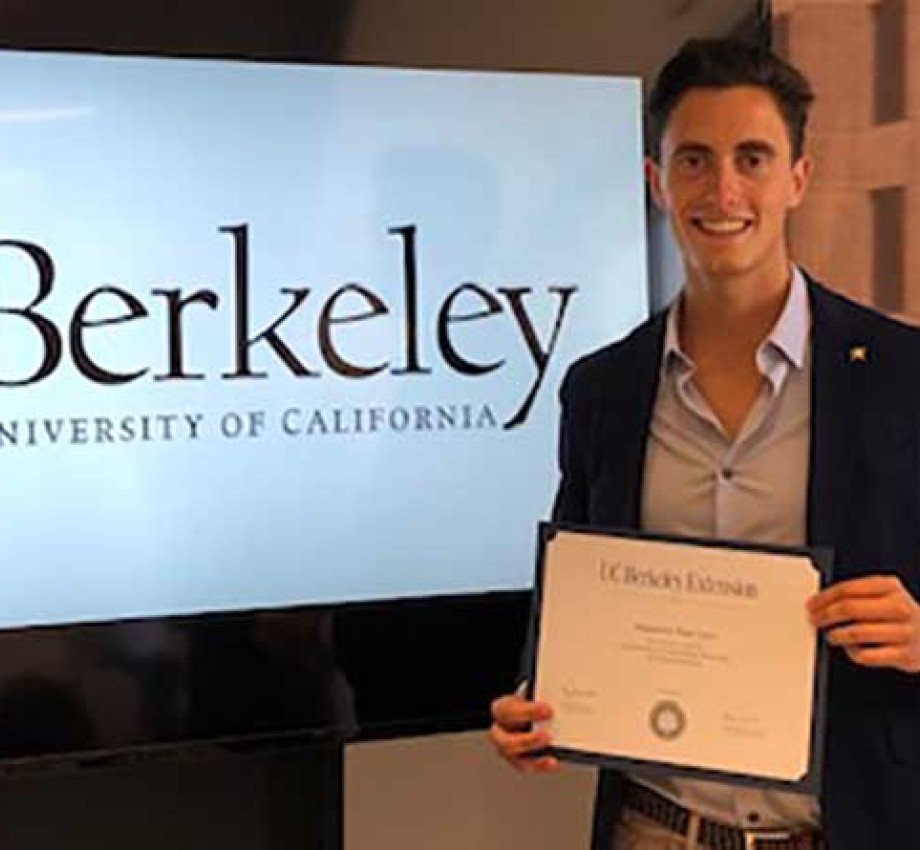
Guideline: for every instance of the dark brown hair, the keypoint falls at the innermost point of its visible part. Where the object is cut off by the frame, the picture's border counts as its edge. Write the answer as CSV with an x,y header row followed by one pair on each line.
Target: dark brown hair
x,y
719,63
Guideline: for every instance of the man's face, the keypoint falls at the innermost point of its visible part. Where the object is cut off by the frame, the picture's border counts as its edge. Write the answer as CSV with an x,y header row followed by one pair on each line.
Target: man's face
x,y
726,180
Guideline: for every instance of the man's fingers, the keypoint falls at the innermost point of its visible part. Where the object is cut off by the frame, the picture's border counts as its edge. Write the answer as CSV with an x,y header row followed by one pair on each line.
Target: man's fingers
x,y
515,712
541,764
524,750
875,619
871,634
862,609
515,737
516,744
866,587
880,656
855,591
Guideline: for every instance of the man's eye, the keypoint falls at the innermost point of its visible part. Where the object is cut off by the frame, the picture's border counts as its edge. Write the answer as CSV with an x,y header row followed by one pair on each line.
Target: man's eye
x,y
691,163
753,161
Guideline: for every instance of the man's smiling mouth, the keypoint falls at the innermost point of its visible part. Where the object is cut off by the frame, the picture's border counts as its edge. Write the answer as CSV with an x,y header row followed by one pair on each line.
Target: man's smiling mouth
x,y
722,226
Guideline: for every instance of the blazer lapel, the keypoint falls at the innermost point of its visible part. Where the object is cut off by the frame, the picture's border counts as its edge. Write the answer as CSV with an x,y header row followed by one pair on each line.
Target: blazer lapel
x,y
626,422
835,390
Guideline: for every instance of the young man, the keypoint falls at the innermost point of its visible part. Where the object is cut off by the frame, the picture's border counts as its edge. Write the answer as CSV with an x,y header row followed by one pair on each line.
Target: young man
x,y
759,407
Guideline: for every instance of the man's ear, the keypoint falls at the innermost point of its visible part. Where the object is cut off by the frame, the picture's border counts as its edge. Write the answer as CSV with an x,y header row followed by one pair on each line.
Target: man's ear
x,y
801,174
653,178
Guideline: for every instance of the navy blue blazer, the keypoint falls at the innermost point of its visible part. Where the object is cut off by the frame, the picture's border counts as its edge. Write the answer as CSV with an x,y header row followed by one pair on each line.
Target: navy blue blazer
x,y
863,501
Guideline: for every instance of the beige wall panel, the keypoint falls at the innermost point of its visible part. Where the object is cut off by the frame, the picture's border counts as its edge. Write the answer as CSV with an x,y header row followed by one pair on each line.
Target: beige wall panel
x,y
868,159
912,26
453,793
832,238
790,5
834,45
836,233
912,253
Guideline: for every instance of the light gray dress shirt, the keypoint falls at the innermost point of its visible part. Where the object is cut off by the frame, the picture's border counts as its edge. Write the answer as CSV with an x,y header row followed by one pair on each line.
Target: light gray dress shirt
x,y
699,482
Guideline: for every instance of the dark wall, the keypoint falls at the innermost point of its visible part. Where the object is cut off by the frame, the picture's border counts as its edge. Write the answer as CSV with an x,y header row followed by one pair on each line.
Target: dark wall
x,y
270,801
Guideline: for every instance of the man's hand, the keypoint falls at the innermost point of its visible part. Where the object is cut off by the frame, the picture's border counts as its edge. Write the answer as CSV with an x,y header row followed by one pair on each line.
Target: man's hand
x,y
874,619
515,739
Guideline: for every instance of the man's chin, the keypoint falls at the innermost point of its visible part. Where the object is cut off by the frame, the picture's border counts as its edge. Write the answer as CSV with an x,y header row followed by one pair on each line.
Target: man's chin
x,y
724,268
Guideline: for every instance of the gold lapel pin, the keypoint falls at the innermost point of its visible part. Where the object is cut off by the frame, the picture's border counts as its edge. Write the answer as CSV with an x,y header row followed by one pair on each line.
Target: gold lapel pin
x,y
859,354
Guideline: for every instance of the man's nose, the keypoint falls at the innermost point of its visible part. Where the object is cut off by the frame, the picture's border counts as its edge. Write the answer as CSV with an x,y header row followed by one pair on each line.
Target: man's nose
x,y
726,185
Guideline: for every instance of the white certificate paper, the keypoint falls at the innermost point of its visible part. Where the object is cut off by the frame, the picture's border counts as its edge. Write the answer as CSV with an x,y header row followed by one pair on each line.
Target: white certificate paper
x,y
680,654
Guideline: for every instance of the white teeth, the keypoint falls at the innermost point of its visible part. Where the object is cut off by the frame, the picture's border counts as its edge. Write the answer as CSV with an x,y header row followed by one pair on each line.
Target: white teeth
x,y
722,226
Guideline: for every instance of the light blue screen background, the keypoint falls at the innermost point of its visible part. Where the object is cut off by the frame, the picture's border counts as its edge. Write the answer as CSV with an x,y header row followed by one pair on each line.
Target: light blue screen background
x,y
124,169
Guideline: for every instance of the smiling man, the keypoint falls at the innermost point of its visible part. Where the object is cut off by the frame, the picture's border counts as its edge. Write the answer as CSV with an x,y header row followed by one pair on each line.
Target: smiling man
x,y
762,407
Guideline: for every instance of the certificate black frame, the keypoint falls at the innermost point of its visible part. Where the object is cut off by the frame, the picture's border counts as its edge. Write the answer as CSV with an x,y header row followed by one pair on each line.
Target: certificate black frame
x,y
822,559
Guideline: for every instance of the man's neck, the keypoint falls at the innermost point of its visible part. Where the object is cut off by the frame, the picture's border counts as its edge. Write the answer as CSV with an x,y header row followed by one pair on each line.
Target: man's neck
x,y
730,318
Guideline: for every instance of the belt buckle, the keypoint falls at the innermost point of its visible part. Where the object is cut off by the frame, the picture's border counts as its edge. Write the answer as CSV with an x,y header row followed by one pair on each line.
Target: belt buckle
x,y
752,837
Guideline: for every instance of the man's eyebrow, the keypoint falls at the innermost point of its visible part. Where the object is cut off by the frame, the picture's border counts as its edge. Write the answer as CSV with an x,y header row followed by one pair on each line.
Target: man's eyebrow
x,y
691,147
761,146
756,146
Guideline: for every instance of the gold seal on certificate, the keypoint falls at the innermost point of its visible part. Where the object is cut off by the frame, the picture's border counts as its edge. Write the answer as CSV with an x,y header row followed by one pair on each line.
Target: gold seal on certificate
x,y
681,655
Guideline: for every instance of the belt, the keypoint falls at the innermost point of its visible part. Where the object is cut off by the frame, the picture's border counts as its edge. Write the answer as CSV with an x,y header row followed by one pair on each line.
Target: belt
x,y
714,834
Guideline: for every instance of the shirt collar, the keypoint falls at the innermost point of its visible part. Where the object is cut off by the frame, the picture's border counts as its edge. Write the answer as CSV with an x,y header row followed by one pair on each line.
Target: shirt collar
x,y
789,335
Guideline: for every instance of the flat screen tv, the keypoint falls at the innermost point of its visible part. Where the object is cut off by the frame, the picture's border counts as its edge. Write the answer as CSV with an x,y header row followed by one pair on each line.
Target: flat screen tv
x,y
280,344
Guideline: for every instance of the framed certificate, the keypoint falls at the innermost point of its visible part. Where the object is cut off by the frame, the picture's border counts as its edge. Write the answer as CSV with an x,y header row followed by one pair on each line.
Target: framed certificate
x,y
682,656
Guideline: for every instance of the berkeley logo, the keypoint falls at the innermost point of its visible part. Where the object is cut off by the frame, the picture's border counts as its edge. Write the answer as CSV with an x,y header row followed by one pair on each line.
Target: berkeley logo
x,y
509,301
